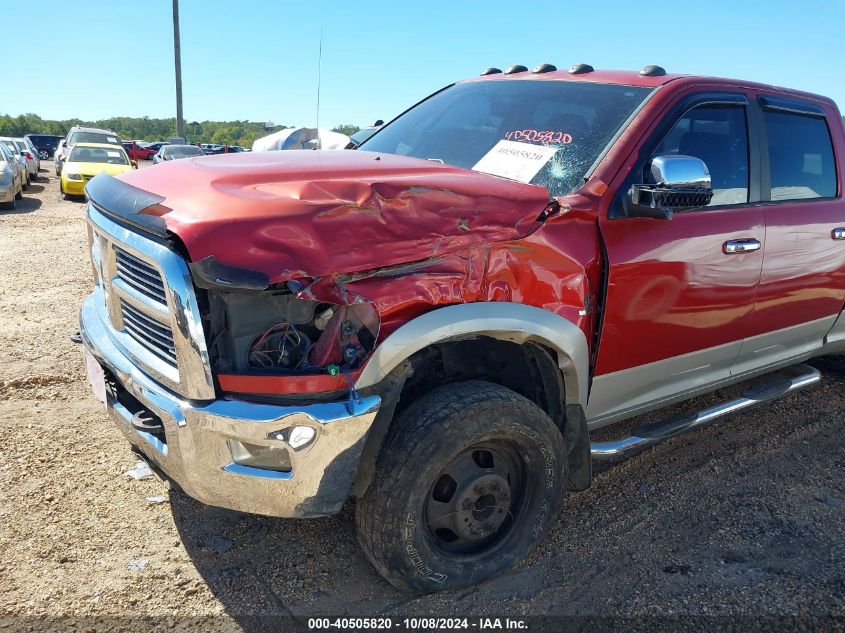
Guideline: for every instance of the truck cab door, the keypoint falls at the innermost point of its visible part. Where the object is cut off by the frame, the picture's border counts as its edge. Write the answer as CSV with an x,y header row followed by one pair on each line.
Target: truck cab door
x,y
802,287
680,293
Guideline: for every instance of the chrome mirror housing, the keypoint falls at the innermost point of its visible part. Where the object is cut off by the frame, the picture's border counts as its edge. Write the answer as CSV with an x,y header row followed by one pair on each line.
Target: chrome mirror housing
x,y
677,182
681,172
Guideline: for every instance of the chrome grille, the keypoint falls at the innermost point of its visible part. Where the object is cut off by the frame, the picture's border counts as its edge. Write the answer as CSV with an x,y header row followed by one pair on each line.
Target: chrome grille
x,y
140,275
153,335
150,306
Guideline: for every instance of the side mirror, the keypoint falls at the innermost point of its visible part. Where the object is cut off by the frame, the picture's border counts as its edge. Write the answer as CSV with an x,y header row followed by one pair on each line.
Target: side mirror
x,y
680,182
134,164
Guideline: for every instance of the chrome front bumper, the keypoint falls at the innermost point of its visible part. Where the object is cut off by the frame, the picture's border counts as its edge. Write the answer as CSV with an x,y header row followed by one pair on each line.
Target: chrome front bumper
x,y
196,455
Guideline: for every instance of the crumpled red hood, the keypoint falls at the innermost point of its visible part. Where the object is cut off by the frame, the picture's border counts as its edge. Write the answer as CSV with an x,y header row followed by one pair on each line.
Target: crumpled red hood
x,y
314,213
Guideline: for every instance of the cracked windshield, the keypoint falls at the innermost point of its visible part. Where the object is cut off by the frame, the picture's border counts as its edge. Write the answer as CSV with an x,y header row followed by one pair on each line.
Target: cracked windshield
x,y
543,132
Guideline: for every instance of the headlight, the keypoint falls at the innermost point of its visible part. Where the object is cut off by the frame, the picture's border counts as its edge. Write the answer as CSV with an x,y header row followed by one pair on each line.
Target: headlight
x,y
5,177
71,175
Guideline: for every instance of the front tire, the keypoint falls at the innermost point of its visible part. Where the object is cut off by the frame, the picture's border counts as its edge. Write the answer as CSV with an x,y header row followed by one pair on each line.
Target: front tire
x,y
469,480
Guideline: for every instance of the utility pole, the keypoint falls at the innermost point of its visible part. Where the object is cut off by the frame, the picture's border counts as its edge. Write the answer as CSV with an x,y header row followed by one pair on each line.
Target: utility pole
x,y
180,123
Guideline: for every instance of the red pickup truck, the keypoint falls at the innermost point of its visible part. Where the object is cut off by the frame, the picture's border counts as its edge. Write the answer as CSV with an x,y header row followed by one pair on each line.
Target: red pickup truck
x,y
435,322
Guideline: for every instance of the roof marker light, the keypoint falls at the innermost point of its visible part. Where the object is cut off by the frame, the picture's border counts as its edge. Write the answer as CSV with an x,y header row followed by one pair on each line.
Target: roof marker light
x,y
652,71
580,69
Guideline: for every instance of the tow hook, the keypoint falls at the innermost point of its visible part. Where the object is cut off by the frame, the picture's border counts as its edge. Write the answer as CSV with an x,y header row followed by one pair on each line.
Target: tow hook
x,y
143,420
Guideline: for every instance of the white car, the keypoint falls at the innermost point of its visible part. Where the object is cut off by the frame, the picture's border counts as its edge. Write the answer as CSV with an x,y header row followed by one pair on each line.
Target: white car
x,y
11,187
20,159
59,155
34,151
33,163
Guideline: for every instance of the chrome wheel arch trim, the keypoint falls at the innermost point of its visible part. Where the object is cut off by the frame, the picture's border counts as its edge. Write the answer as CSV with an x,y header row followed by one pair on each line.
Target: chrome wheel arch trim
x,y
504,321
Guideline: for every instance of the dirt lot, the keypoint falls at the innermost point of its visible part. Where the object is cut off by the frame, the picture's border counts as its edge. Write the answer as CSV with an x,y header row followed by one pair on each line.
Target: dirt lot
x,y
743,518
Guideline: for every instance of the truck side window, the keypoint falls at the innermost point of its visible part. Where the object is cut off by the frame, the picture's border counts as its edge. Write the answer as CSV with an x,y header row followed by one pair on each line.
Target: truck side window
x,y
718,135
801,161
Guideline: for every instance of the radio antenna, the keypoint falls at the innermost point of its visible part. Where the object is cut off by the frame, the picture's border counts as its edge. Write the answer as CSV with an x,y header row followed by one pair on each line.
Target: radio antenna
x,y
319,69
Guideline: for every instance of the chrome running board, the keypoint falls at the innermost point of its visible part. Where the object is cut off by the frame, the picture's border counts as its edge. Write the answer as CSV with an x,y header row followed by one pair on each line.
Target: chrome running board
x,y
663,430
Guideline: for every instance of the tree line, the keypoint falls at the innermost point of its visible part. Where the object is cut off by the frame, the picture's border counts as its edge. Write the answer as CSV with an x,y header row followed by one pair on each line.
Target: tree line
x,y
144,128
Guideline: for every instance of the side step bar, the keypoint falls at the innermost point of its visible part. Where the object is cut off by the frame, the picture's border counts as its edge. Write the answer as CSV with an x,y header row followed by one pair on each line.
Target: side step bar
x,y
661,431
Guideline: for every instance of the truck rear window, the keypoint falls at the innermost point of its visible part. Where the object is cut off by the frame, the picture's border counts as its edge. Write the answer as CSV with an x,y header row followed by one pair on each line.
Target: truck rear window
x,y
548,133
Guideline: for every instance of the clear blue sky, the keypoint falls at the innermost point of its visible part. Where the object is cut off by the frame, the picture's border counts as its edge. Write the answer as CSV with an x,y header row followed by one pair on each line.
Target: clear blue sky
x,y
257,59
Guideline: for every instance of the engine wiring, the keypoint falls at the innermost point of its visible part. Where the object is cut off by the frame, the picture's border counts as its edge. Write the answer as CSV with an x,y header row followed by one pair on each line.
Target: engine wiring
x,y
280,346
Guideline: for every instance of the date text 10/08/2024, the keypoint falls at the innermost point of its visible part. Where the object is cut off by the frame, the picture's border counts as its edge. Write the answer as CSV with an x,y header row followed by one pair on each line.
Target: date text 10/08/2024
x,y
421,623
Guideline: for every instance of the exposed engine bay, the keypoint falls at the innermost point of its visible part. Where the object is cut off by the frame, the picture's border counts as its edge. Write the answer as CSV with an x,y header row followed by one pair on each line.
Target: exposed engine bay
x,y
274,332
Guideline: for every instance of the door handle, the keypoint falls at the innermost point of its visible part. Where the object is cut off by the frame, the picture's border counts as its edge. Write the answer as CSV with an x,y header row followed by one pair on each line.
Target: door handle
x,y
838,234
736,247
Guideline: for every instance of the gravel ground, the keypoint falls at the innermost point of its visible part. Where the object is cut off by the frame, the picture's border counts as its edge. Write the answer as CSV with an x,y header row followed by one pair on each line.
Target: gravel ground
x,y
744,518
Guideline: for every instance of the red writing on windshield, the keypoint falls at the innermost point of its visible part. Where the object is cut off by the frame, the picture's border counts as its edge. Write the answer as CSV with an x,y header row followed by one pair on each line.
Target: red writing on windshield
x,y
548,137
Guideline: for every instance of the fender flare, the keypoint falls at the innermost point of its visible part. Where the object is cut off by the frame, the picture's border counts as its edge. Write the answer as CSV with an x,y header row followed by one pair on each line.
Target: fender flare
x,y
504,321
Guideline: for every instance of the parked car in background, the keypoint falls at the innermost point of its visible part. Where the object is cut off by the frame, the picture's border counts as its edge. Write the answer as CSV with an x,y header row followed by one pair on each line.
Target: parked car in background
x,y
86,160
360,136
19,158
175,152
34,150
215,148
57,156
11,187
137,152
32,161
46,144
157,145
80,134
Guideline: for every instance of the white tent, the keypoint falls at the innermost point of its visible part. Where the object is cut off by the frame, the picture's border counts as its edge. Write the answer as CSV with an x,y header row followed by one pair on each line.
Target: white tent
x,y
301,138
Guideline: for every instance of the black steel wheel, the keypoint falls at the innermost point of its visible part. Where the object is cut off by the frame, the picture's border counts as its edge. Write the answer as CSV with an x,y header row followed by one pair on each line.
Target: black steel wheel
x,y
475,499
469,479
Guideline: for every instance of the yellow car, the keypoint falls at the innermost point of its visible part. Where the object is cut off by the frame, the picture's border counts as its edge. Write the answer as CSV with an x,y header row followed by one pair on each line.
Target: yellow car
x,y
86,160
